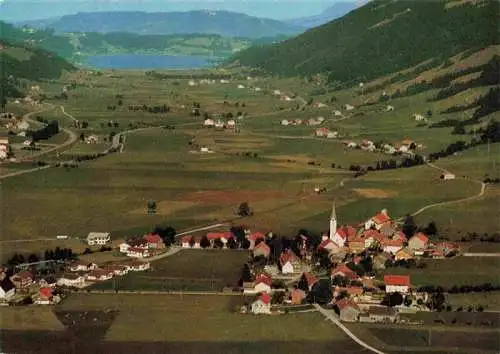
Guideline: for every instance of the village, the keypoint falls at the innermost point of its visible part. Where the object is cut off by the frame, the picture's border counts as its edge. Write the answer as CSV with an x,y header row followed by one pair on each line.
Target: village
x,y
339,271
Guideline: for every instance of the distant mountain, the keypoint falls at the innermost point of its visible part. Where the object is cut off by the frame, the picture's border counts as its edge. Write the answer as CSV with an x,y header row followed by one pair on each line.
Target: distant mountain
x,y
381,37
224,23
335,11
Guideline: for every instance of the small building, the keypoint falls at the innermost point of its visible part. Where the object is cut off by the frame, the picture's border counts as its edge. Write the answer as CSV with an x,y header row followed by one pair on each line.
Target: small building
x,y
322,132
100,275
262,283
380,314
44,296
262,305
137,266
98,238
154,241
289,262
261,250
241,86
7,288
378,220
92,139
344,272
186,241
391,246
71,279
337,113
418,117
343,235
138,252
82,266
285,122
447,176
253,237
397,283
389,108
418,243
277,92
117,269
348,107
22,279
348,310
208,122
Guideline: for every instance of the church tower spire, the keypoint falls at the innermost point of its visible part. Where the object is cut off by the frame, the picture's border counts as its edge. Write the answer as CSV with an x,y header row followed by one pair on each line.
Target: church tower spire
x,y
333,222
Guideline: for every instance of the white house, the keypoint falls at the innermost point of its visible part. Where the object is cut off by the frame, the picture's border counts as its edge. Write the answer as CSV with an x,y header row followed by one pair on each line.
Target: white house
x,y
219,124
277,92
124,247
262,283
191,83
138,266
3,154
222,81
208,122
418,117
337,113
100,275
138,252
71,280
285,122
7,288
231,123
378,220
241,86
98,238
80,266
332,135
389,108
397,283
262,305
447,176
348,107
92,139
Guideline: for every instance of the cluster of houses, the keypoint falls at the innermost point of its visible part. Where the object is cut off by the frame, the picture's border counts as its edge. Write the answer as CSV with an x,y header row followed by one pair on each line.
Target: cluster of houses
x,y
77,274
219,124
407,146
324,132
4,148
310,122
143,247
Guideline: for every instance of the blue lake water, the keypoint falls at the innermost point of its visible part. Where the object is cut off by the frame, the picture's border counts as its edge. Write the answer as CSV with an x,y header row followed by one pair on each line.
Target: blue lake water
x,y
140,61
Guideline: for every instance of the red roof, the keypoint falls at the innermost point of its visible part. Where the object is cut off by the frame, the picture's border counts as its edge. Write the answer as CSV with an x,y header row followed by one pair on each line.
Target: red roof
x,y
421,236
218,235
262,245
24,275
311,279
401,280
257,235
345,271
153,238
46,292
345,302
197,239
346,232
381,218
264,278
388,242
186,239
373,233
288,256
265,298
325,243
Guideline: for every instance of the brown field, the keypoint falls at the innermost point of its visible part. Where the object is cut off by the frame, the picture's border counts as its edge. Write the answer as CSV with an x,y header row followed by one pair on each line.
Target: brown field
x,y
374,193
29,319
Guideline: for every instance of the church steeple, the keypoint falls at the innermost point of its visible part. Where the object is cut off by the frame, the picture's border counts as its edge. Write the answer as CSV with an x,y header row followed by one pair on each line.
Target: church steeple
x,y
333,222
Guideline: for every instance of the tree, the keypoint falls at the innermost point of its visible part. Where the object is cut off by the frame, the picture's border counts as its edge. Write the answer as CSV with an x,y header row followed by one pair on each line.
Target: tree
x,y
278,297
302,284
244,209
431,229
321,292
205,242
393,299
151,207
245,244
409,226
231,244
218,243
32,258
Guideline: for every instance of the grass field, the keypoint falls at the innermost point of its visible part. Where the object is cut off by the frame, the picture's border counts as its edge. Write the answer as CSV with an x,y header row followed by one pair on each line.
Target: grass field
x,y
192,270
456,271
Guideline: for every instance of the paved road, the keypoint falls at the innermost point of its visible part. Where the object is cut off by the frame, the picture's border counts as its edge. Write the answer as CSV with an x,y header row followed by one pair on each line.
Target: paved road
x,y
483,254
332,316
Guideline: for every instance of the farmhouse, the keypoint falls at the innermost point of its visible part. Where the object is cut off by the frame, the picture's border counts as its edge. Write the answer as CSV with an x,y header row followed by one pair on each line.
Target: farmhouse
x,y
138,252
397,283
71,279
378,220
328,245
82,266
343,235
98,238
117,269
254,237
137,266
418,243
348,310
344,272
297,296
100,275
262,283
154,241
262,305
44,296
261,250
379,314
289,262
7,288
22,279
186,241
208,122
391,246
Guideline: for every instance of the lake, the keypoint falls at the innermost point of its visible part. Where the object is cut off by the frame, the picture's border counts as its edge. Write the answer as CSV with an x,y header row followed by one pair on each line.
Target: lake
x,y
143,61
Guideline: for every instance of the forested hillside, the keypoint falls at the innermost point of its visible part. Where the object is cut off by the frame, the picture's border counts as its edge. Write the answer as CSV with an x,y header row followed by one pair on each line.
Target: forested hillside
x,y
381,37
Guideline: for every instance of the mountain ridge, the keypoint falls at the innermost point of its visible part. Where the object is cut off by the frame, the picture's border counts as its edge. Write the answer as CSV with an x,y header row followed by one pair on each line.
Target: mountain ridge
x,y
331,13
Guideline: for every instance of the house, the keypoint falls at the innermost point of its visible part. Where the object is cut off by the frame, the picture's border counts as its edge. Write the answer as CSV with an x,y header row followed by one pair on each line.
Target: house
x,y
403,254
418,117
222,236
350,144
222,81
418,242
289,262
117,269
261,250
154,241
137,266
231,124
447,176
397,283
254,237
322,132
186,241
196,242
348,107
311,279
379,314
389,108
241,86
98,238
219,124
285,122
100,275
7,288
348,310
22,279
297,296
277,92
208,122
257,89
368,145
337,113
262,305
391,245
448,248
138,252
262,283
82,266
332,135
191,83
328,245
343,235
344,272
378,220
319,105
45,296
71,279
389,149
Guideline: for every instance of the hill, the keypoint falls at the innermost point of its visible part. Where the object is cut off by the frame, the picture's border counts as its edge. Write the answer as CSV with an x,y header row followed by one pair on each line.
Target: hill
x,y
333,12
381,38
224,23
